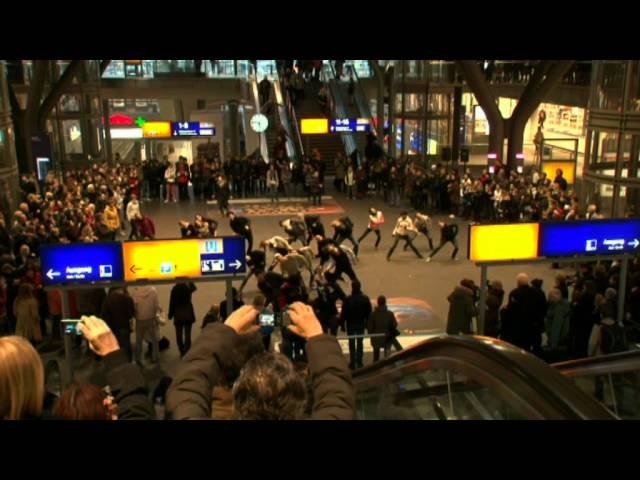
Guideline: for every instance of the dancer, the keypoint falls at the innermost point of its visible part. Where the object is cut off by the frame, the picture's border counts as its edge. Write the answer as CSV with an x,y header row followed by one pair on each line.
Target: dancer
x,y
257,262
376,218
448,233
296,229
404,226
241,226
422,223
343,230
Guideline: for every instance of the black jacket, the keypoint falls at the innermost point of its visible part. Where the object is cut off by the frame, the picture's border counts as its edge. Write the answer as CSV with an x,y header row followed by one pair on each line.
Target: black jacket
x,y
180,306
215,358
129,388
356,310
117,311
382,320
257,260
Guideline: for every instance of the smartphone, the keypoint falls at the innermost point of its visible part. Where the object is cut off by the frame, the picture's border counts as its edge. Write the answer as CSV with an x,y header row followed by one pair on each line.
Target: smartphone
x,y
71,327
267,319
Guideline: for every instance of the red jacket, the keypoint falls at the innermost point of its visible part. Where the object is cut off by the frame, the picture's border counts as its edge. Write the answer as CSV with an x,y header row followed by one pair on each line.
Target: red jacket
x,y
147,228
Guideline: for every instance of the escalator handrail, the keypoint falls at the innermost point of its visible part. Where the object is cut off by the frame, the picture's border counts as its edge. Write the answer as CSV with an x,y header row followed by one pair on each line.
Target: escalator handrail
x,y
282,113
563,394
360,93
294,120
600,365
327,75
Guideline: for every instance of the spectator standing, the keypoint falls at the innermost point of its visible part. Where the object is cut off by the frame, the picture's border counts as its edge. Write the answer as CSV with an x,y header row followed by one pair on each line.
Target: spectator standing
x,y
462,308
382,322
117,311
355,313
182,313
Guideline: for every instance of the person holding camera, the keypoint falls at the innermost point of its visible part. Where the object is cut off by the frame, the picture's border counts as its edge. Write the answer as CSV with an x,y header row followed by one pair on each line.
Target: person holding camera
x,y
266,385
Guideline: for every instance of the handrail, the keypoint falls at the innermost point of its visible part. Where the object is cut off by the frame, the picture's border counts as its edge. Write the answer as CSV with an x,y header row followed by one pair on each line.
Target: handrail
x,y
284,120
562,394
600,365
327,75
361,99
253,78
294,120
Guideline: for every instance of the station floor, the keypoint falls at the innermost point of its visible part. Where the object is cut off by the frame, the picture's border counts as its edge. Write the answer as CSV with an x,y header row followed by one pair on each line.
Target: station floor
x,y
416,290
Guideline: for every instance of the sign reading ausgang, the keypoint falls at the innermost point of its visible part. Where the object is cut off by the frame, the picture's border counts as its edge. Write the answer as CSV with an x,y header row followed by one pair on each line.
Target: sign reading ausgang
x,y
589,237
81,263
189,258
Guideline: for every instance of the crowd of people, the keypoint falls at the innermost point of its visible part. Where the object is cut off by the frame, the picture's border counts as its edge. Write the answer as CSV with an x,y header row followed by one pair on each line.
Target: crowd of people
x,y
576,317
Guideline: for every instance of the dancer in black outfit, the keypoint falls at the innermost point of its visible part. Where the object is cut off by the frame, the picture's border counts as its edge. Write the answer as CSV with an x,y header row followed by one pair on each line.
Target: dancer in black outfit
x,y
448,234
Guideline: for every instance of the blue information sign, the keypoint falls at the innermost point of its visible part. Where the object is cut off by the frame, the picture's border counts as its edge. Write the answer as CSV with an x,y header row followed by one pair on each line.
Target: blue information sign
x,y
81,263
345,125
589,237
192,129
223,255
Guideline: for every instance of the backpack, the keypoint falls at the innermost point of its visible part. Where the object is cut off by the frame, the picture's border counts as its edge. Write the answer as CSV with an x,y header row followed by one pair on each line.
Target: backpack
x,y
612,339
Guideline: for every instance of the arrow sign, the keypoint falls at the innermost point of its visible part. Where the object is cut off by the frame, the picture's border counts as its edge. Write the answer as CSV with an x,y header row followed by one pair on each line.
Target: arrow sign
x,y
51,274
236,264
134,269
635,243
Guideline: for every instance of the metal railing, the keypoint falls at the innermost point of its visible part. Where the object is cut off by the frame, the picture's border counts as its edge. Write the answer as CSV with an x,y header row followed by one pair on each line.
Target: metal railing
x,y
294,121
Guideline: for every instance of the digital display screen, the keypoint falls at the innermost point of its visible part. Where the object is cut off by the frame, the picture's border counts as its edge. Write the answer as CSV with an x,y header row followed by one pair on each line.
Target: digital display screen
x,y
517,241
589,237
192,129
81,263
343,125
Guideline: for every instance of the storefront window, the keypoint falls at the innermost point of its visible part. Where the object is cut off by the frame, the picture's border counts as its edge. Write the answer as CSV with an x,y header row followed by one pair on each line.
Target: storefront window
x,y
72,136
607,147
115,69
609,85
437,135
634,88
70,103
439,103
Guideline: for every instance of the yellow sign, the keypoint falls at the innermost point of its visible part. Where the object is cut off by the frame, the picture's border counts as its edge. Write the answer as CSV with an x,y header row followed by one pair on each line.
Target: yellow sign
x,y
160,260
568,170
517,241
156,130
314,126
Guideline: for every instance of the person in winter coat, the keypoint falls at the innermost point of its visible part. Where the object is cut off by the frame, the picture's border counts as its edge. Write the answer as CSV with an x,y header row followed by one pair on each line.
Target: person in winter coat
x,y
340,171
350,181
462,308
273,182
147,308
557,320
25,310
356,309
519,322
112,217
170,181
134,216
495,297
117,311
382,321
265,386
182,313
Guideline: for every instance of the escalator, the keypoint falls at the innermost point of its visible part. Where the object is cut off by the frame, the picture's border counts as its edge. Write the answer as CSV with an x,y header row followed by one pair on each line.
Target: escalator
x,y
614,380
469,378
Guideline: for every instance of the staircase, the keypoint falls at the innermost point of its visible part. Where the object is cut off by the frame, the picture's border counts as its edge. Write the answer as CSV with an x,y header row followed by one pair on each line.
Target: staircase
x,y
328,145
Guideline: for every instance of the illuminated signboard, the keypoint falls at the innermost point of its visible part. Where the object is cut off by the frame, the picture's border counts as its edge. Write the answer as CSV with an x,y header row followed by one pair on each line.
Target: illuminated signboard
x,y
192,129
568,170
314,126
518,241
120,119
340,125
156,130
589,237
189,258
81,263
131,133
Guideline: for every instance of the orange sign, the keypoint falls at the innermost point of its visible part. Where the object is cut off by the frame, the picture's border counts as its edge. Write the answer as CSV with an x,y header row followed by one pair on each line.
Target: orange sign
x,y
314,126
517,241
156,130
159,260
568,170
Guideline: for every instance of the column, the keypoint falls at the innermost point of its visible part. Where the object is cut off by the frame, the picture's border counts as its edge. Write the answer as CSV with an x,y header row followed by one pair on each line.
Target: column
x,y
8,160
234,124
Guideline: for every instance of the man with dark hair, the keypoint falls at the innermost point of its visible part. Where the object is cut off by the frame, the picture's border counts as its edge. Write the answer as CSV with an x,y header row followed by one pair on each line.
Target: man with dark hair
x,y
314,226
267,386
448,233
356,309
241,226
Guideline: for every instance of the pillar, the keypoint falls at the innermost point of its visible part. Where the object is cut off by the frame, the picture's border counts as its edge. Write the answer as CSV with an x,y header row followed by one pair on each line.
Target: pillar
x,y
8,161
455,136
234,124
